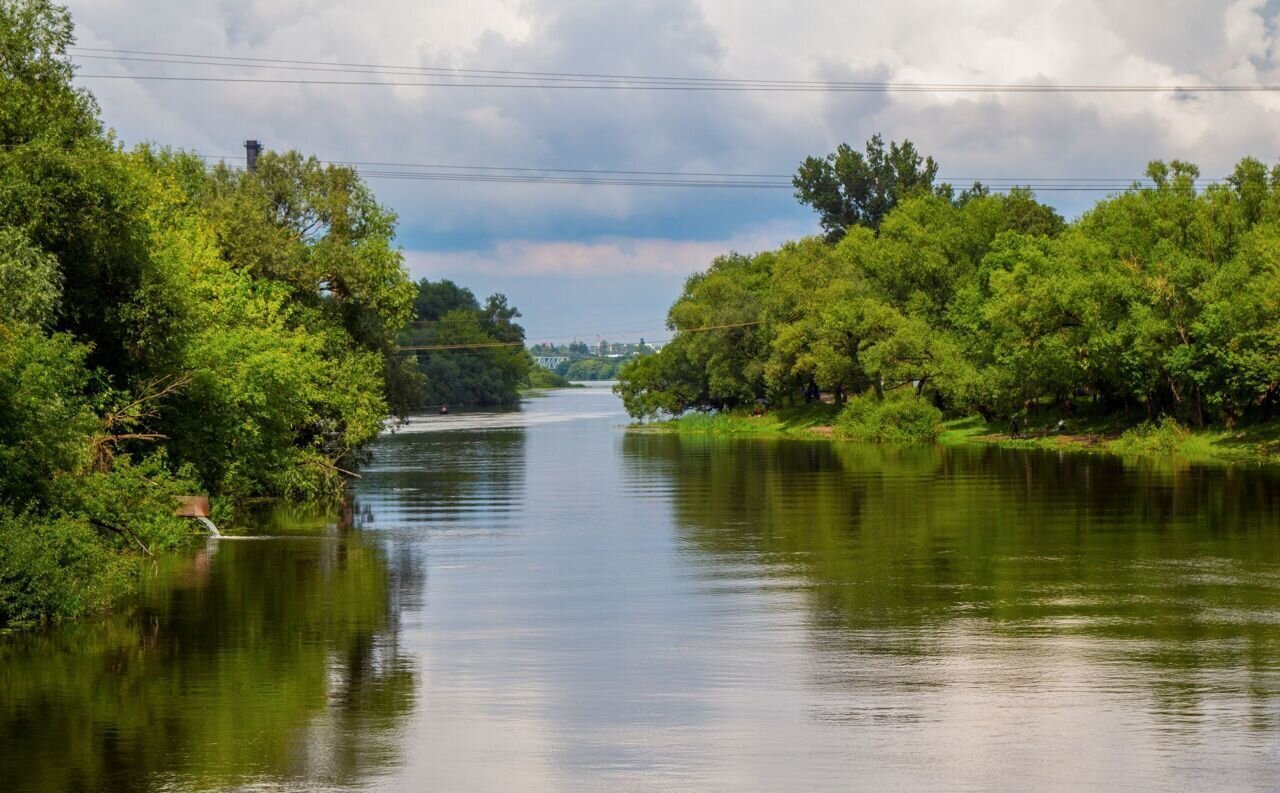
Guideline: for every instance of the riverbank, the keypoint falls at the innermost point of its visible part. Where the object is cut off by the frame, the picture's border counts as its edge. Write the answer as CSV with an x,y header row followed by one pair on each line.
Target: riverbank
x,y
1259,444
799,422
263,659
545,380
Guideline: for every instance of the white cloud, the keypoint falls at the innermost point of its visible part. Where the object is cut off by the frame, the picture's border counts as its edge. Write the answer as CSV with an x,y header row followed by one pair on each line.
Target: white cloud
x,y
993,40
602,258
572,230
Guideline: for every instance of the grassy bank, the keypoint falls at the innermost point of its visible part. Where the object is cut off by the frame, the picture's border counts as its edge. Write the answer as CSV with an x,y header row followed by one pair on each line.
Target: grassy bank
x,y
807,421
1107,434
1255,444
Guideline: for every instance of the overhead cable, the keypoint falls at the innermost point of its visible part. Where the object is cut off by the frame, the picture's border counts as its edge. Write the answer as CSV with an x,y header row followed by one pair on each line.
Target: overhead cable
x,y
457,77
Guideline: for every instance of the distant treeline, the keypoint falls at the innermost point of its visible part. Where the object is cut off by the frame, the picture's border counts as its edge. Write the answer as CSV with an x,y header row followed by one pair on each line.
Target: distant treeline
x,y
591,368
601,361
1163,300
479,358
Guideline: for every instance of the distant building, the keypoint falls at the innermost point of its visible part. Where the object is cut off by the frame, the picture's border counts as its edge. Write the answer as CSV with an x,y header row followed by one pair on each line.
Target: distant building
x,y
550,361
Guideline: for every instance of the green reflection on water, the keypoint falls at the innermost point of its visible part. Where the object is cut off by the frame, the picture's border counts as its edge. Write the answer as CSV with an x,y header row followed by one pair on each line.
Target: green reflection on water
x,y
1170,573
247,661
984,572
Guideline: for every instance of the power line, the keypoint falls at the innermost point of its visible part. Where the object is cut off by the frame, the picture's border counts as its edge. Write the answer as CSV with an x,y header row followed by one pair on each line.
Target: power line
x,y
234,60
878,88
475,346
556,170
469,320
429,324
517,170
443,172
448,172
705,328
986,180
443,71
1000,186
499,344
512,79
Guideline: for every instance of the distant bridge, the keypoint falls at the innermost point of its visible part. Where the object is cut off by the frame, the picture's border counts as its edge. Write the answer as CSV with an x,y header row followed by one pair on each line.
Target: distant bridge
x,y
550,361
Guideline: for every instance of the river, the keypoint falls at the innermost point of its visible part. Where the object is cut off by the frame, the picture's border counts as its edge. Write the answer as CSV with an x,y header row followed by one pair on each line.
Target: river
x,y
542,601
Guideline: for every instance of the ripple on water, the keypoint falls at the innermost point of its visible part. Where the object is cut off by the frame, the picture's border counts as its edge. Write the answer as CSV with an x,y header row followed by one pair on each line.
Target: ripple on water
x,y
539,601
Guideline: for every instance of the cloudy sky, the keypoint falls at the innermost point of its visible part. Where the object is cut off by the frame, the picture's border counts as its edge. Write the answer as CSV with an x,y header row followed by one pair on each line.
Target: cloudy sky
x,y
585,260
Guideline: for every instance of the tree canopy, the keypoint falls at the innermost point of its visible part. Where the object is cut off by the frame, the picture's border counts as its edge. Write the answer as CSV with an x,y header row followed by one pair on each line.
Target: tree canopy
x,y
480,358
169,328
1162,300
849,188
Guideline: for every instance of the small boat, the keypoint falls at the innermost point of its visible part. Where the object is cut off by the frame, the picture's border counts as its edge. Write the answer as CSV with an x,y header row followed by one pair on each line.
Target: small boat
x,y
444,410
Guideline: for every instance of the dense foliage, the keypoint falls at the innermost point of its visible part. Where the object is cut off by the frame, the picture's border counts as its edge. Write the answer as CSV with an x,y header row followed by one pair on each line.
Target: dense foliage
x,y
1163,300
168,329
478,356
871,418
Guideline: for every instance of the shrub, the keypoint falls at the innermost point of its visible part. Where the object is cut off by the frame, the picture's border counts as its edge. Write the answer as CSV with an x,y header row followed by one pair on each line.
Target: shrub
x,y
54,569
545,378
900,419
137,497
1165,437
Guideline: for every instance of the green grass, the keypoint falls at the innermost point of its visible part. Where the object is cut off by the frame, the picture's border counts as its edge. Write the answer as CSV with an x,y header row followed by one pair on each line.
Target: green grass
x,y
799,421
1107,434
1113,435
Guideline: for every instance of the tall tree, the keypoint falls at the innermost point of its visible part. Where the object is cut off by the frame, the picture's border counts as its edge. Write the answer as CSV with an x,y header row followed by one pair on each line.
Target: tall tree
x,y
489,373
848,188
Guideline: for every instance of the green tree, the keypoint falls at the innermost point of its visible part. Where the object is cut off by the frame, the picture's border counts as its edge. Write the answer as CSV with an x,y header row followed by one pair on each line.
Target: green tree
x,y
168,329
849,188
29,280
480,358
38,104
437,298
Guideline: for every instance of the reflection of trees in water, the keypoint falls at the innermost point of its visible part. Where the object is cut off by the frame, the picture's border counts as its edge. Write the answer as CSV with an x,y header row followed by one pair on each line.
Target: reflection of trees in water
x,y
249,661
417,478
422,481
903,549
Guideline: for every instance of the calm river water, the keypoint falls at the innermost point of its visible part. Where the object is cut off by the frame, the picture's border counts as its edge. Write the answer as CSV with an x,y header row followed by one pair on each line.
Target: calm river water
x,y
540,601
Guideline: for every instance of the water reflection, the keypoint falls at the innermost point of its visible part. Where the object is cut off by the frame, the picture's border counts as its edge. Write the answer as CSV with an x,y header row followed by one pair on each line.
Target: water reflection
x,y
248,662
427,479
953,593
542,602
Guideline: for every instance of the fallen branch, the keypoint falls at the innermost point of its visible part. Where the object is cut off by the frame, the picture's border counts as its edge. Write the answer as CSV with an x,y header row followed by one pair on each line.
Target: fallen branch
x,y
102,524
128,423
135,436
331,466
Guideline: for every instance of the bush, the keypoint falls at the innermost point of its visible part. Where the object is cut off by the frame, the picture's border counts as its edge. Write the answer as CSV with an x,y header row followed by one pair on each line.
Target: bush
x,y
901,419
1165,437
53,569
545,378
714,423
139,497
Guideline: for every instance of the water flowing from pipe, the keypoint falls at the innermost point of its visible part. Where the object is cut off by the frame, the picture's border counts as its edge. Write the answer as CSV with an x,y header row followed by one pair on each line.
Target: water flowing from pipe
x,y
213,530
